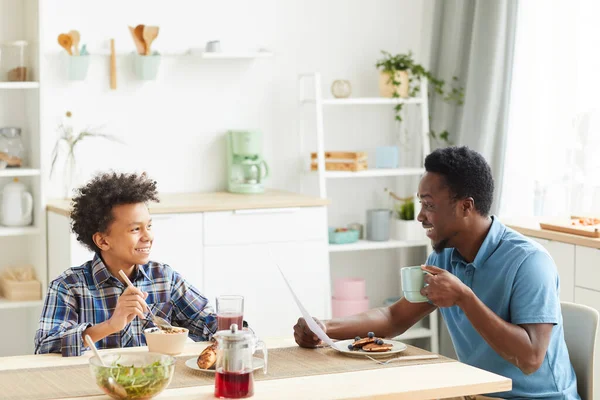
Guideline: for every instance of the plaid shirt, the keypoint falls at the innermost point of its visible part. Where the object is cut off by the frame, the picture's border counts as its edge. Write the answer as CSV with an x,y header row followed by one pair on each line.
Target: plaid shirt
x,y
87,295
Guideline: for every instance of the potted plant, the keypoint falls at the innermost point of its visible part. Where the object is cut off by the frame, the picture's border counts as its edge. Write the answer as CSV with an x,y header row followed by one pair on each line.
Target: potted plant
x,y
399,77
404,224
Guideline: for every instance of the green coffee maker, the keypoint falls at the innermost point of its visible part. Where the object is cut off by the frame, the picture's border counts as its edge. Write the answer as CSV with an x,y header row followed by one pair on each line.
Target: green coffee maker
x,y
246,169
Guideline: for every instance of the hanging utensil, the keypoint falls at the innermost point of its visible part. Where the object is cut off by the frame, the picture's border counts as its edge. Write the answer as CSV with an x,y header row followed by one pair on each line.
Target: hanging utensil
x,y
150,33
66,42
139,34
158,321
139,43
113,65
74,35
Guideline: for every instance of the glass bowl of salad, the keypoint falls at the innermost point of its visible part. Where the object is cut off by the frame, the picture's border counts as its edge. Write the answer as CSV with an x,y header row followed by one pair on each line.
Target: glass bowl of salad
x,y
136,375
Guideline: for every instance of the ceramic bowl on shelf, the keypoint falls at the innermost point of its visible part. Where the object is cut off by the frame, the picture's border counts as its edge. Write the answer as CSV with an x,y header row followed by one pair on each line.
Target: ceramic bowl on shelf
x,y
343,235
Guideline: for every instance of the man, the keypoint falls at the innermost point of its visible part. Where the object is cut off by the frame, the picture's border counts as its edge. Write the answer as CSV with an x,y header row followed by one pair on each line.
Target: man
x,y
110,217
497,290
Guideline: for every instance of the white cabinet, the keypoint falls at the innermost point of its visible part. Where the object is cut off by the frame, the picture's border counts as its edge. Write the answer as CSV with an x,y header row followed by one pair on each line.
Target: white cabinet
x,y
587,260
266,225
237,260
248,270
178,243
564,258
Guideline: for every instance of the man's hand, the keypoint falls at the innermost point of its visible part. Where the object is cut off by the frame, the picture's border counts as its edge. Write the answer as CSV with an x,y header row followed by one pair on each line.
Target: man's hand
x,y
132,303
444,289
304,336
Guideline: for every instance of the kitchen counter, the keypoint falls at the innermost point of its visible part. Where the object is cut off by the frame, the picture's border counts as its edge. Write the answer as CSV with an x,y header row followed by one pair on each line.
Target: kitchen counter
x,y
173,203
530,226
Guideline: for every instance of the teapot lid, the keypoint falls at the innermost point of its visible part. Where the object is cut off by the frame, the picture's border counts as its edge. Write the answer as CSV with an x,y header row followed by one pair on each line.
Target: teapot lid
x,y
233,334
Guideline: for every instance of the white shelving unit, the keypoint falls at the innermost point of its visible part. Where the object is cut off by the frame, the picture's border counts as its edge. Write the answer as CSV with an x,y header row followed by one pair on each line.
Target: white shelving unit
x,y
19,85
370,245
21,104
319,103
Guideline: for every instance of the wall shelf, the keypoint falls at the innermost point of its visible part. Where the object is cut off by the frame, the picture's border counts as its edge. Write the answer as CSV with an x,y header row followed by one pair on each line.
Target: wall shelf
x,y
19,231
19,85
11,172
371,245
233,55
373,101
370,173
8,304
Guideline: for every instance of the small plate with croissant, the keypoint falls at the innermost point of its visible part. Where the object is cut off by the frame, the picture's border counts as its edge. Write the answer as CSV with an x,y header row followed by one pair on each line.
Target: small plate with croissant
x,y
207,360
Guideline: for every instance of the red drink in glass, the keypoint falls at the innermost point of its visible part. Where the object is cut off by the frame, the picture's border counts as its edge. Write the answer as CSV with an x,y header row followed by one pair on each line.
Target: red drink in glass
x,y
234,385
224,320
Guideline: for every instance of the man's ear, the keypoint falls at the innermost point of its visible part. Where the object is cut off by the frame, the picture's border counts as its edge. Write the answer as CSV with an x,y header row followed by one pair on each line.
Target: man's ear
x,y
101,241
468,206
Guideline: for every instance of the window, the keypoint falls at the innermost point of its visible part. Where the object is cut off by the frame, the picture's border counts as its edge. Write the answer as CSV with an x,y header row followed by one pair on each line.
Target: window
x,y
552,164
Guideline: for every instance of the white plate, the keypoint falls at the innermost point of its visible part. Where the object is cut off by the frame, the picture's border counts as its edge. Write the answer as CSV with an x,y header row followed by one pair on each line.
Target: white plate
x,y
397,347
257,363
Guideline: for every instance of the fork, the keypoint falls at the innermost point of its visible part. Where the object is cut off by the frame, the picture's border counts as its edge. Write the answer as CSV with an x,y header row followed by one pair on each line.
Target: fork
x,y
158,321
404,358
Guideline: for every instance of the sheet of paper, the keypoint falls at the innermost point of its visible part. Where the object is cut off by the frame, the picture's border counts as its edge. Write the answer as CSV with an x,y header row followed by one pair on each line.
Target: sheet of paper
x,y
309,320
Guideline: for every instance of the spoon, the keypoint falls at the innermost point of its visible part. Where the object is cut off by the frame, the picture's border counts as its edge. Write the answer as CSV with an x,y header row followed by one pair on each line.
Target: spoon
x,y
114,387
66,42
158,321
150,33
139,42
138,31
75,40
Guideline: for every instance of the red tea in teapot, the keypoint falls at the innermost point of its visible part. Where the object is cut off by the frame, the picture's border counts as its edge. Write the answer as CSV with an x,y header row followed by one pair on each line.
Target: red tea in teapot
x,y
234,385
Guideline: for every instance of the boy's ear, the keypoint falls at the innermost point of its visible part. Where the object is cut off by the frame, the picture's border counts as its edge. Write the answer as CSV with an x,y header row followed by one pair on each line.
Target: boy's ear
x,y
101,241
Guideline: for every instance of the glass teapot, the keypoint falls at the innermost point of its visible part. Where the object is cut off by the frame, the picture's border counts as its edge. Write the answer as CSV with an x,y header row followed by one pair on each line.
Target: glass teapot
x,y
233,378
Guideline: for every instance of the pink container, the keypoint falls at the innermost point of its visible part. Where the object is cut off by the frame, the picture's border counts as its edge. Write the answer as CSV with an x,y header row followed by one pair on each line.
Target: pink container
x,y
344,308
350,289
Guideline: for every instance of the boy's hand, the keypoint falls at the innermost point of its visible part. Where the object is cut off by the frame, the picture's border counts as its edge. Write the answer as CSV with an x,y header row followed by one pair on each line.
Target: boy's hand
x,y
132,303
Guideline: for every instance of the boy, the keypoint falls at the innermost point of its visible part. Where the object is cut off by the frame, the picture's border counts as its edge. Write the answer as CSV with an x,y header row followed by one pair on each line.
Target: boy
x,y
110,217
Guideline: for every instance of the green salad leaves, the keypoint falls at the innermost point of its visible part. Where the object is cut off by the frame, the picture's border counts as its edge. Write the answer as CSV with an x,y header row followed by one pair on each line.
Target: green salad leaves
x,y
138,382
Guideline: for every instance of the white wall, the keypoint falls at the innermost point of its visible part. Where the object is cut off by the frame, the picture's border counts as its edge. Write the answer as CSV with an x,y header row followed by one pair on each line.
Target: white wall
x,y
173,127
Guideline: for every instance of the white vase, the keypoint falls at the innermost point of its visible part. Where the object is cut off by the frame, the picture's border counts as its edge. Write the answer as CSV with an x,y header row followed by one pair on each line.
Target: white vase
x,y
407,230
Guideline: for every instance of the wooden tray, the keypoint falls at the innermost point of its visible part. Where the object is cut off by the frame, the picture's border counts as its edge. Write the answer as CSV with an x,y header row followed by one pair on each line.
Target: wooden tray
x,y
566,226
341,161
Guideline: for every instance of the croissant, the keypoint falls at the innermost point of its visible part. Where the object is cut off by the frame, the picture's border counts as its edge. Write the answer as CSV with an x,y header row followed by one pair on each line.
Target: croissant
x,y
208,357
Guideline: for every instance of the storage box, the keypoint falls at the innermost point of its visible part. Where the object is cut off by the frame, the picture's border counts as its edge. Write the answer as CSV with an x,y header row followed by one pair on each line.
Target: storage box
x,y
386,157
19,284
341,161
349,236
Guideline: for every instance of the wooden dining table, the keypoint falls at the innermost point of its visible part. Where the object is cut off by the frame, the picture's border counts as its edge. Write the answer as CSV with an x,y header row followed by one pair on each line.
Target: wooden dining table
x,y
414,382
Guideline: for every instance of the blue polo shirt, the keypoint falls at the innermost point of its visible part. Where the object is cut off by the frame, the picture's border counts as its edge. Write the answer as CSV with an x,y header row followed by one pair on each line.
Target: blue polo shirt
x,y
517,279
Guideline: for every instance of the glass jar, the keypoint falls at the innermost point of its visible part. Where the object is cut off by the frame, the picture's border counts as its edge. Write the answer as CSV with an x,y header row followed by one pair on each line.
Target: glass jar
x,y
11,145
13,59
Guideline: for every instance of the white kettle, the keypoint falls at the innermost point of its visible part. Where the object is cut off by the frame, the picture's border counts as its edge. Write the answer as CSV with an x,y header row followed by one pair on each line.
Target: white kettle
x,y
16,205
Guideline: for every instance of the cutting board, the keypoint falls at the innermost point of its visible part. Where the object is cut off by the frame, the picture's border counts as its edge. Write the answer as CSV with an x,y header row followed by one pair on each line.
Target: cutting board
x,y
573,226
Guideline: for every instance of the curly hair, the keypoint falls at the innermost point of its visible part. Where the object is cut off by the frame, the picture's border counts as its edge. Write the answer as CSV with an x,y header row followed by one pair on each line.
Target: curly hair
x,y
466,173
93,203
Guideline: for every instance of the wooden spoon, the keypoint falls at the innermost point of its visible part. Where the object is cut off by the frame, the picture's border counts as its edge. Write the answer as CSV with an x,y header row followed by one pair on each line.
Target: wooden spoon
x,y
139,34
75,40
139,44
150,33
66,42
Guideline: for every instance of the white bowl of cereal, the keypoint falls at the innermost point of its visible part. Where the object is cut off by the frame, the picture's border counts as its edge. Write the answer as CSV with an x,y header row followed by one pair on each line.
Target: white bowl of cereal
x,y
170,342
